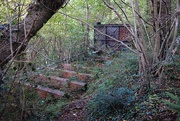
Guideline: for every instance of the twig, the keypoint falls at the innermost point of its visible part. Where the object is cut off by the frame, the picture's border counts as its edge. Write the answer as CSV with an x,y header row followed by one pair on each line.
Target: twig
x,y
137,13
77,19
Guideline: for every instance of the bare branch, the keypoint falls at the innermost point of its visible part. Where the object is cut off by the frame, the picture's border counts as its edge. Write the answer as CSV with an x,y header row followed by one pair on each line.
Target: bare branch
x,y
123,13
119,16
77,19
137,14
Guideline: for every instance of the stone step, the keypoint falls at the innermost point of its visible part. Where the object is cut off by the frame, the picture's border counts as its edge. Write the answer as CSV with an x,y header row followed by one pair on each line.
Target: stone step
x,y
71,85
69,67
43,92
53,81
69,74
102,59
60,83
66,71
74,86
81,76
66,66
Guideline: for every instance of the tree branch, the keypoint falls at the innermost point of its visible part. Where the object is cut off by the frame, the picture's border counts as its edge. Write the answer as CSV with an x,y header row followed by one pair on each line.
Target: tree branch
x,y
38,13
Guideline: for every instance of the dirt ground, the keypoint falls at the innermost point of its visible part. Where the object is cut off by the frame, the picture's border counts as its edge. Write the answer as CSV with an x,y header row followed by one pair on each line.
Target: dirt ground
x,y
75,111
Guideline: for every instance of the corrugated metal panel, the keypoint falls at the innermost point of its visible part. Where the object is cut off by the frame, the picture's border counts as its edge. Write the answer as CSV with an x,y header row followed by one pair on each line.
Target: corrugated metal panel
x,y
124,34
116,31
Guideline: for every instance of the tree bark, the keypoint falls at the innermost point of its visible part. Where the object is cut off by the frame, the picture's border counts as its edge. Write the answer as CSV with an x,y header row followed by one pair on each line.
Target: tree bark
x,y
87,27
160,11
38,13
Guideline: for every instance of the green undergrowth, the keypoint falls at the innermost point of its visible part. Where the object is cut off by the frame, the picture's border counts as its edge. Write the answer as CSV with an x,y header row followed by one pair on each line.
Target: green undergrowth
x,y
121,71
113,93
22,103
172,69
174,103
113,98
110,104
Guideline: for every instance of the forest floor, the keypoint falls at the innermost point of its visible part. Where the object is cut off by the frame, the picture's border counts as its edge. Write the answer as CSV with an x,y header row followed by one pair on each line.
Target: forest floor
x,y
154,108
77,110
112,74
148,106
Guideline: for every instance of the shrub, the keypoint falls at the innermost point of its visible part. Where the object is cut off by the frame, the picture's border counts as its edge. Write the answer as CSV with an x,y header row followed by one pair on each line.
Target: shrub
x,y
108,104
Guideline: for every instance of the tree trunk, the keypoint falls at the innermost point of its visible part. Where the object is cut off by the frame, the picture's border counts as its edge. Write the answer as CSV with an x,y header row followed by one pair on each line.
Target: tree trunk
x,y
37,15
87,27
160,10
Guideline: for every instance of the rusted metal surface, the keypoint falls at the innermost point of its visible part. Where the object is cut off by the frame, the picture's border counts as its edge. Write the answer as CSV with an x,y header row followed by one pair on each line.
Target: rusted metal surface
x,y
116,31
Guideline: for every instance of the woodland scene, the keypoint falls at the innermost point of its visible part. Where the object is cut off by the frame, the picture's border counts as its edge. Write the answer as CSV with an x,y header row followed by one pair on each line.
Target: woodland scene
x,y
89,60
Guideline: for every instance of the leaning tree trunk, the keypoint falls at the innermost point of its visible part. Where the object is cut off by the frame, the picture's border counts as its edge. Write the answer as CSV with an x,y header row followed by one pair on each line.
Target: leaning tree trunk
x,y
37,15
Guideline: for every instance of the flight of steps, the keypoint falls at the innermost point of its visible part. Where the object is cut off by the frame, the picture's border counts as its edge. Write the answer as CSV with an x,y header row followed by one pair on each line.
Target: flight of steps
x,y
60,86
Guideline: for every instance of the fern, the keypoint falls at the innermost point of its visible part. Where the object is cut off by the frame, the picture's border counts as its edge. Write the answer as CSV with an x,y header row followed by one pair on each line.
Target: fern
x,y
176,105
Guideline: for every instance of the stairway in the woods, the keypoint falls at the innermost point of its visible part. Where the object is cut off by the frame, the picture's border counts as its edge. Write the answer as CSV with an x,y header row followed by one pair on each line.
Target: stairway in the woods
x,y
61,83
